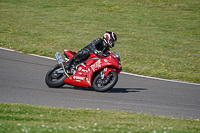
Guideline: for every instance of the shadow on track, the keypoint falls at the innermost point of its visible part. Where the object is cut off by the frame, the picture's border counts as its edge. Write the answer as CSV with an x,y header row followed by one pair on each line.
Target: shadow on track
x,y
113,90
126,90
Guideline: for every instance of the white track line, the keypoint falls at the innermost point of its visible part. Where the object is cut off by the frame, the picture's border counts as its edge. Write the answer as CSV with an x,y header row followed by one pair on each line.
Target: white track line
x,y
6,49
136,75
42,56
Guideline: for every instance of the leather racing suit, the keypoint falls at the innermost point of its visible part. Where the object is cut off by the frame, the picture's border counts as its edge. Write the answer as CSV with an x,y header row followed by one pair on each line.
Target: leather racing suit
x,y
95,45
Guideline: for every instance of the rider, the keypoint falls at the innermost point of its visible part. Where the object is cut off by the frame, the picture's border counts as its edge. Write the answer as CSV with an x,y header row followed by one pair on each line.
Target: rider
x,y
98,46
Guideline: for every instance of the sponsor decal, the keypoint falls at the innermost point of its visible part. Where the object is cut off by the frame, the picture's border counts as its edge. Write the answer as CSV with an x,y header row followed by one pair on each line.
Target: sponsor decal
x,y
78,78
114,56
96,65
88,80
85,71
80,68
105,60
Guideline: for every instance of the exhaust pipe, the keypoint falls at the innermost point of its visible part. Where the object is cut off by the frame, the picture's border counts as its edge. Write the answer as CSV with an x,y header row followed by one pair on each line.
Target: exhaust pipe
x,y
59,57
61,61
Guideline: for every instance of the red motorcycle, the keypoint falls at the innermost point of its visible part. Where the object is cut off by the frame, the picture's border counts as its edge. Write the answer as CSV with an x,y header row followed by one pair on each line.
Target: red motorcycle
x,y
99,72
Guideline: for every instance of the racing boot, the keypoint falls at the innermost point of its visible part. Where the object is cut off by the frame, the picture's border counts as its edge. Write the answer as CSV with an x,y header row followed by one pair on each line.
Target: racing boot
x,y
74,64
69,63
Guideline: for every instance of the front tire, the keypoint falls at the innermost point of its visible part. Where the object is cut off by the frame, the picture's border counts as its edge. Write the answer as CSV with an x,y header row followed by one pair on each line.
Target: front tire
x,y
101,85
54,79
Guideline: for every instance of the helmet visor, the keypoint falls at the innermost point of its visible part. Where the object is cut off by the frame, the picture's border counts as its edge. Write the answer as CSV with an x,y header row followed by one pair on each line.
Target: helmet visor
x,y
112,42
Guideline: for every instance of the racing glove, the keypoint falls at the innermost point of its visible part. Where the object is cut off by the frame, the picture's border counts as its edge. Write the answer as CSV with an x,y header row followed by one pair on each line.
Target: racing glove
x,y
100,53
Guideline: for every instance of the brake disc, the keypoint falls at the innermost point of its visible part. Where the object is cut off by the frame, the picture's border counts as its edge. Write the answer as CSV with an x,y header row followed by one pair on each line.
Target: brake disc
x,y
104,81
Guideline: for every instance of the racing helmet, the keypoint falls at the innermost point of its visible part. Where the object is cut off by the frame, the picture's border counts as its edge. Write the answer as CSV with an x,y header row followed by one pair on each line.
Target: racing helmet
x,y
110,38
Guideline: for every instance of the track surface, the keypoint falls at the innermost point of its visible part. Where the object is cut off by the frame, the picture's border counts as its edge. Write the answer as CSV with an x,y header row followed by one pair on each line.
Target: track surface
x,y
22,81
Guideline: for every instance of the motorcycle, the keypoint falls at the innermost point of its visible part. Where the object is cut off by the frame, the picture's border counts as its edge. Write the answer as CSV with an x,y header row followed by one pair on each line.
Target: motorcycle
x,y
97,72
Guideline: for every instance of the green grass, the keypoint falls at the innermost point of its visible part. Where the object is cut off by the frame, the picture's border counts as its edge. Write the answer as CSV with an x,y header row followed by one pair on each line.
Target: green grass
x,y
28,118
159,38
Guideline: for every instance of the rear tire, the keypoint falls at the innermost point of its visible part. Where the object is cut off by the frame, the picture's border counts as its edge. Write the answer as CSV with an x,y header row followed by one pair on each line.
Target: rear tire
x,y
106,86
54,80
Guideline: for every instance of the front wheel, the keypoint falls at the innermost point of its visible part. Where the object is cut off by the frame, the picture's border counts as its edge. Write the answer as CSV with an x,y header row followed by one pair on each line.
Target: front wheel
x,y
106,83
55,77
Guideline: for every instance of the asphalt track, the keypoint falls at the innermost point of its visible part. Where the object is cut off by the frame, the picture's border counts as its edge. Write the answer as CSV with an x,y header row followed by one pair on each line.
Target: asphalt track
x,y
22,81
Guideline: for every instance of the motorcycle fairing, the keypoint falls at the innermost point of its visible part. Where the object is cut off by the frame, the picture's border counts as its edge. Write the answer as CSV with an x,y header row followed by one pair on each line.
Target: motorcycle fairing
x,y
69,54
80,78
83,75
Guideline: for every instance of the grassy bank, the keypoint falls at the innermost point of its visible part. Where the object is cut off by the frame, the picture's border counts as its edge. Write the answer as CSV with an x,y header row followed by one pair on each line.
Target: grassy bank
x,y
159,38
28,118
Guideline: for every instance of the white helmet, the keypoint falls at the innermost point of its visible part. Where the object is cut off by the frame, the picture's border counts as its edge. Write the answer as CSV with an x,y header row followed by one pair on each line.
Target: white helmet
x,y
110,38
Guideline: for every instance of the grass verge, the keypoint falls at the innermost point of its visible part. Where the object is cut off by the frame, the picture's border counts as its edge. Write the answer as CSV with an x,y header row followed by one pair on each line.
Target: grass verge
x,y
159,38
29,118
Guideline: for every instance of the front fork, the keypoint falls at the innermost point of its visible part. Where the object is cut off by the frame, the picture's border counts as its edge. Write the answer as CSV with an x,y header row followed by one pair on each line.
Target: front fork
x,y
104,77
105,72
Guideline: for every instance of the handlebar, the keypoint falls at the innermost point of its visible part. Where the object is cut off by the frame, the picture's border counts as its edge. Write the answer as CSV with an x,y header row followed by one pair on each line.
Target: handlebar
x,y
106,54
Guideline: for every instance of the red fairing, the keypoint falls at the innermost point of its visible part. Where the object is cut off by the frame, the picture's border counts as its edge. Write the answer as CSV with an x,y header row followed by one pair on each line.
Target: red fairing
x,y
84,74
69,53
82,77
92,59
115,63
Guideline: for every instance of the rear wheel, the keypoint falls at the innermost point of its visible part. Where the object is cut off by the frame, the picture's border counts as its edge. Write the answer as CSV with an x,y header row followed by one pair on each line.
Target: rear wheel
x,y
102,84
55,77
